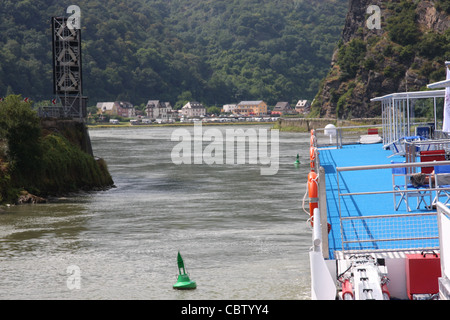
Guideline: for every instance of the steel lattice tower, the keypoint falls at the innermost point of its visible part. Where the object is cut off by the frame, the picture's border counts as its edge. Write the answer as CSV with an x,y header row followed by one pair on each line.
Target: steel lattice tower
x,y
67,68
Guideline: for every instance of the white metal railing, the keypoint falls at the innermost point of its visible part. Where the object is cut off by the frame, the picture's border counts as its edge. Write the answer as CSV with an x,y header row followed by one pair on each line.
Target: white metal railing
x,y
420,227
413,148
317,232
321,182
341,136
444,245
444,237
323,286
439,134
397,111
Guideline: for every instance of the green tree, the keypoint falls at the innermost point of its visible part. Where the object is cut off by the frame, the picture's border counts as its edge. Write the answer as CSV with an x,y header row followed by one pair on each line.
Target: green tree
x,y
349,57
213,110
432,45
182,99
141,50
20,127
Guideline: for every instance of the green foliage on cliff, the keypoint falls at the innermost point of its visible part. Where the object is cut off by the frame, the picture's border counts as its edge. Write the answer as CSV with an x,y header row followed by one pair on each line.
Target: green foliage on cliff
x,y
350,57
406,54
66,168
401,26
443,5
41,164
216,51
20,129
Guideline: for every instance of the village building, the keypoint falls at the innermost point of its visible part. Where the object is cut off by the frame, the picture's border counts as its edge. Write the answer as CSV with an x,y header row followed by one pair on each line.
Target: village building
x,y
282,108
303,107
156,109
193,109
117,108
228,108
251,108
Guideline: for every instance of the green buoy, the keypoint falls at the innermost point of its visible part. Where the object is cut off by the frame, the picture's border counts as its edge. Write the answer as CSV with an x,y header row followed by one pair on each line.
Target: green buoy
x,y
297,162
183,282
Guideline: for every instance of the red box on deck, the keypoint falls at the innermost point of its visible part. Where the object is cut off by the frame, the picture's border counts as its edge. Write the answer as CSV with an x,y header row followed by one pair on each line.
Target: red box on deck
x,y
422,273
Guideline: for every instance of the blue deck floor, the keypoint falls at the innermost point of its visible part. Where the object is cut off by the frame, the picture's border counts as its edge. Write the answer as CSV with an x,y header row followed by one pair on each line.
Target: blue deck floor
x,y
403,230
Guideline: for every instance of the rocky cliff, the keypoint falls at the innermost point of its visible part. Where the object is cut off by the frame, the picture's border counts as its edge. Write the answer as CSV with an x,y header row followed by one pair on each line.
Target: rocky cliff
x,y
55,160
404,53
74,131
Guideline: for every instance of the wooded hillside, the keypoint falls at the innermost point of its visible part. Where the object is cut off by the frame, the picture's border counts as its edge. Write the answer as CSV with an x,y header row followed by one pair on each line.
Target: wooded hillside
x,y
212,51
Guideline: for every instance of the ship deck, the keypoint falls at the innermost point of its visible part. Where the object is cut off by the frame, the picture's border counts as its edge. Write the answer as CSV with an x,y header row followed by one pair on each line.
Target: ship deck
x,y
369,221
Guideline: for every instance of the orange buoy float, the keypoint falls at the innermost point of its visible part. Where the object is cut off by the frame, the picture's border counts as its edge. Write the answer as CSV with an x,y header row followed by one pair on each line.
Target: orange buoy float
x,y
313,193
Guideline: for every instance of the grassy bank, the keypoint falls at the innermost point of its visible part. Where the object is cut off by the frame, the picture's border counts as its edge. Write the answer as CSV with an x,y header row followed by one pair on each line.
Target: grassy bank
x,y
278,126
43,162
66,168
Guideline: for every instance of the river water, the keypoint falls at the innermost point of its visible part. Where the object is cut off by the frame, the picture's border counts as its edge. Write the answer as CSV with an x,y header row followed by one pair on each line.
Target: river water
x,y
242,235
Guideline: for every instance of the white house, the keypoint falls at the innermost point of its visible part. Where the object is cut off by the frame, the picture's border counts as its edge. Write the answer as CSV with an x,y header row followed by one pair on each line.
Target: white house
x,y
303,106
156,109
228,108
193,109
117,108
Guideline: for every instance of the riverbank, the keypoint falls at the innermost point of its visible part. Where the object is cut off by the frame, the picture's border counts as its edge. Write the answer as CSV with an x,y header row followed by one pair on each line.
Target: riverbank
x,y
283,124
63,163
307,124
176,124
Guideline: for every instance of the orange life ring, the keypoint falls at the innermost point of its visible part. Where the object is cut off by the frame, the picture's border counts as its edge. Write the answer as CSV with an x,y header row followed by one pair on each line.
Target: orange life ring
x,y
313,193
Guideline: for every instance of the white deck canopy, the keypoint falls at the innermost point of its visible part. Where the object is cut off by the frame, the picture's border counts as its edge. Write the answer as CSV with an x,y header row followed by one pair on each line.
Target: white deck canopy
x,y
440,84
397,111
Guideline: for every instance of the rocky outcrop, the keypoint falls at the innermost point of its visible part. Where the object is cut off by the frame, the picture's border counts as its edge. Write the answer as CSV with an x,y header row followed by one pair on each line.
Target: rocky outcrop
x,y
28,198
357,17
430,18
66,165
374,62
